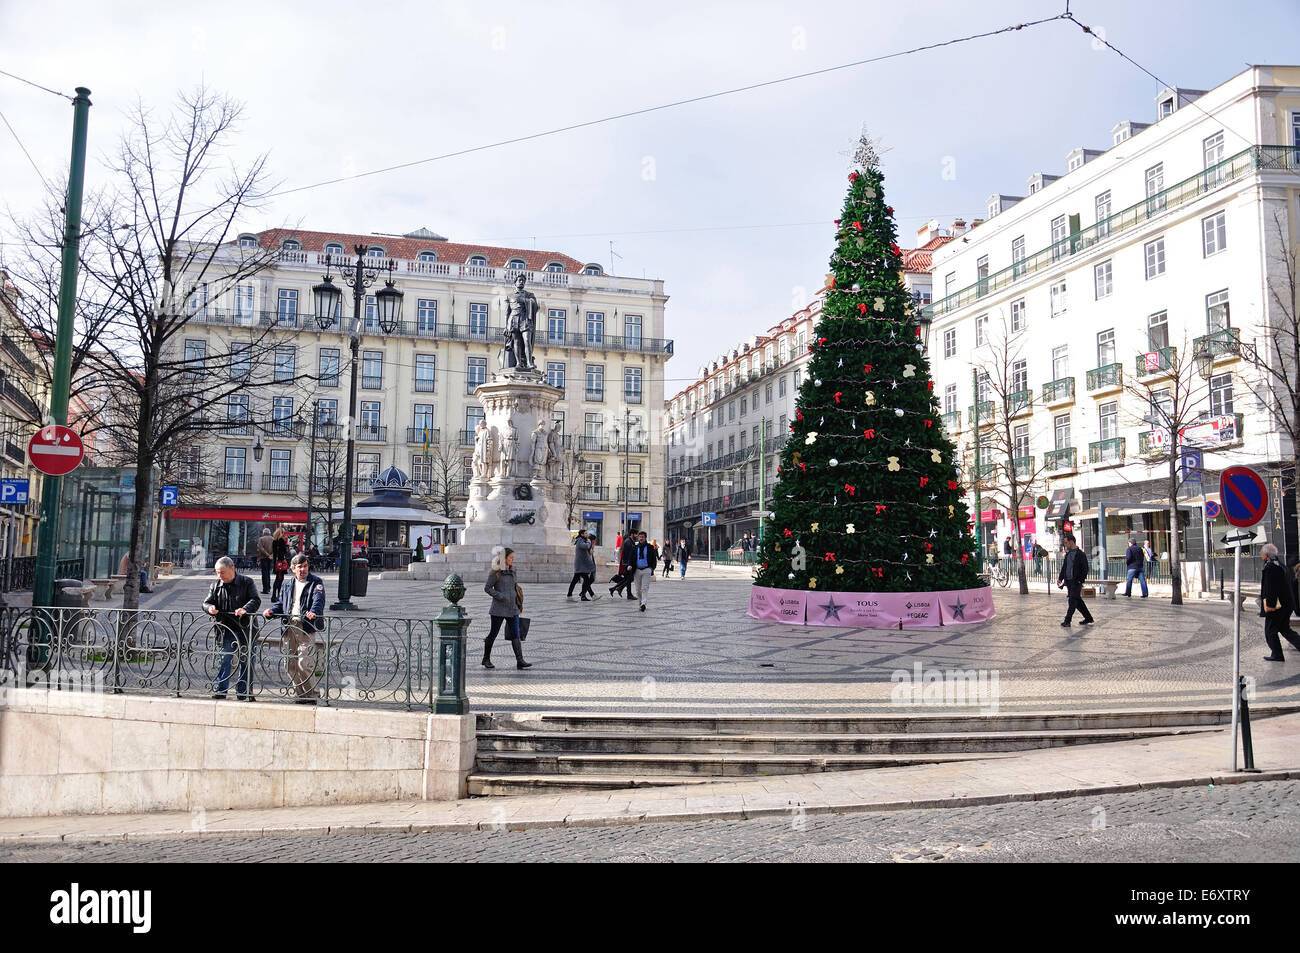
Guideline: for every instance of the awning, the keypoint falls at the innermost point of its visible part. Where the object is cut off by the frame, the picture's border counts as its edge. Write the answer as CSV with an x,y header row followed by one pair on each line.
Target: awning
x,y
231,513
1091,514
405,514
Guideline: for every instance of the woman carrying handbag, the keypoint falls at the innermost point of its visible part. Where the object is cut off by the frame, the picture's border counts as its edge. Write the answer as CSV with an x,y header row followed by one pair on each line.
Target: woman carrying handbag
x,y
280,553
507,600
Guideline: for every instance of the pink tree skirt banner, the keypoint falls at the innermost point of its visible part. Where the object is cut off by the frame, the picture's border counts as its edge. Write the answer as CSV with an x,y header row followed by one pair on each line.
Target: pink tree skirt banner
x,y
884,610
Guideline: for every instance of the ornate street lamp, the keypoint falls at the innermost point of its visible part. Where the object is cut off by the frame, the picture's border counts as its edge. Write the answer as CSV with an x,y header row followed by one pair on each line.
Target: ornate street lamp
x,y
1204,358
258,449
359,275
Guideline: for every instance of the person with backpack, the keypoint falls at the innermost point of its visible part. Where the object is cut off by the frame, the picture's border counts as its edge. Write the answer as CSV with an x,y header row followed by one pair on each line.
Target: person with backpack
x,y
507,600
1074,570
1039,554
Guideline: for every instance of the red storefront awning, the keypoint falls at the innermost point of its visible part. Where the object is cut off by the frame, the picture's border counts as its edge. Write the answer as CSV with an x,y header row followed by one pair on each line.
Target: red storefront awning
x,y
228,513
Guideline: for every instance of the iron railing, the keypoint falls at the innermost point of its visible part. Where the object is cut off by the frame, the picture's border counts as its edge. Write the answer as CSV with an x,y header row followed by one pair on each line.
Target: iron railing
x,y
18,573
951,421
1108,375
279,483
372,434
235,481
1059,460
1162,359
1106,451
416,435
1058,391
1019,402
358,660
1223,343
985,409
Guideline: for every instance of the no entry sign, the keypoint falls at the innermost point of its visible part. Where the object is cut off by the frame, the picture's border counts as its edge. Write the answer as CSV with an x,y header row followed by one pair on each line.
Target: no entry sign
x,y
1245,498
55,450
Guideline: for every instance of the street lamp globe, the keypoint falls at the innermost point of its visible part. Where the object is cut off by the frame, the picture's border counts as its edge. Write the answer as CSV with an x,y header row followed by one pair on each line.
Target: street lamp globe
x,y
389,301
328,298
1204,359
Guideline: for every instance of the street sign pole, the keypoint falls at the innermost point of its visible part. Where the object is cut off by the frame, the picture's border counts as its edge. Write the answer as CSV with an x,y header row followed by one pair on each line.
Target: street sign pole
x,y
52,486
1236,651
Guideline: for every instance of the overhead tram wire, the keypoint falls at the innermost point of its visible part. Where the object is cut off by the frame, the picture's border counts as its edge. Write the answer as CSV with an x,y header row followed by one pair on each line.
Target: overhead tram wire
x,y
13,132
53,92
680,102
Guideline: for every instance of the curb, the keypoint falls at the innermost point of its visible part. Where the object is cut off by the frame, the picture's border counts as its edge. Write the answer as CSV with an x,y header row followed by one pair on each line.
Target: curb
x,y
616,820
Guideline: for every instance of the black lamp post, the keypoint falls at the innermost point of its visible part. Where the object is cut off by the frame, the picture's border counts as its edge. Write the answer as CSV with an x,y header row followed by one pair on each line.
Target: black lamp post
x,y
328,300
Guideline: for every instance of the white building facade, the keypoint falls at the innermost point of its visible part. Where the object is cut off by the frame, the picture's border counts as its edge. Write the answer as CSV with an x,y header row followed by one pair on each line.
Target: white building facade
x,y
1097,279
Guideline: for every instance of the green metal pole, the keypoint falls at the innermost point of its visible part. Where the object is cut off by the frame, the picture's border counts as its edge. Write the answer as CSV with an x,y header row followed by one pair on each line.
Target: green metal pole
x,y
762,474
52,486
975,425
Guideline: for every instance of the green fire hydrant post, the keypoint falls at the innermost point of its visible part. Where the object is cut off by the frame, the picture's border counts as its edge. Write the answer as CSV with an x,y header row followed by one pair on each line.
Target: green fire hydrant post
x,y
453,623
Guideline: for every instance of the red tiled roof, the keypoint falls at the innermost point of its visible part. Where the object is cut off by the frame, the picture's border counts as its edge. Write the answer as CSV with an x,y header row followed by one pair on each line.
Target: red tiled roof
x,y
409,248
921,260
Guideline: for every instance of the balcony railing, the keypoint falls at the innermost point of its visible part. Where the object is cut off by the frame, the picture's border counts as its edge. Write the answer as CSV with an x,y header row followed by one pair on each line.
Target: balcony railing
x,y
279,483
372,434
466,438
951,421
1246,162
423,386
235,481
1158,361
14,351
286,430
1106,451
20,398
595,493
329,431
15,451
1058,391
237,428
471,385
1024,466
594,444
416,435
372,382
1224,343
633,494
631,398
984,473
595,394
1058,461
1107,376
1019,402
985,413
1149,445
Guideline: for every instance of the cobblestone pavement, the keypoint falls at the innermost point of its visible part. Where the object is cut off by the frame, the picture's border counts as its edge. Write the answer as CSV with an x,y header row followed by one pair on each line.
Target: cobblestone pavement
x,y
1233,823
696,650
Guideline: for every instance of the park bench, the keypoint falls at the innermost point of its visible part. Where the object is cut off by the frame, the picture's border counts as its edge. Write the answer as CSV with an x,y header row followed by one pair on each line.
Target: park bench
x,y
108,585
1107,585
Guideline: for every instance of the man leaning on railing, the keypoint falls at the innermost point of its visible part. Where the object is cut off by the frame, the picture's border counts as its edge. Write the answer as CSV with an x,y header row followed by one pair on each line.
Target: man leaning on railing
x,y
300,601
233,600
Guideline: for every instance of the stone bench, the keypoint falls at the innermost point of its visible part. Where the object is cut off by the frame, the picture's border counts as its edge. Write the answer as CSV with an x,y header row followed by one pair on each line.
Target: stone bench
x,y
108,585
1107,585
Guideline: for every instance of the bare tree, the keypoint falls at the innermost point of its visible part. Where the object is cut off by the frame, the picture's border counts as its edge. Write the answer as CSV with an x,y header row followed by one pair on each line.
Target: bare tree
x,y
1011,473
326,475
446,478
1167,386
571,484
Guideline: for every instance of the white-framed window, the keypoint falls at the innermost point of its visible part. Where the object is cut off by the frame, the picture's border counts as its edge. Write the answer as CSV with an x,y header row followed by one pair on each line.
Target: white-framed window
x,y
556,322
595,327
477,261
1157,330
1060,232
247,241
1153,253
478,319
328,367
516,264
427,256
1161,407
281,413
995,205
1217,315
1213,152
596,382
1155,183
1019,316
370,415
475,373
1059,301
555,374
372,369
1019,377
1061,431
1020,442
981,330
949,280
1165,108
983,386
236,465
196,358
286,359
427,315
244,296
780,386
372,313
426,373
1214,233
1108,419
1221,395
1018,256
291,244
1060,362
982,275
555,266
333,248
632,388
286,305
1106,347
949,342
376,251
241,361
950,399
1103,213
632,330
1101,279
593,270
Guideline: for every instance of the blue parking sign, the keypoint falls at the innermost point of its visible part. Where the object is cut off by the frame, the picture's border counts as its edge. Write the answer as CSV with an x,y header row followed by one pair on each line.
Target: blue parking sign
x,y
14,491
169,495
709,519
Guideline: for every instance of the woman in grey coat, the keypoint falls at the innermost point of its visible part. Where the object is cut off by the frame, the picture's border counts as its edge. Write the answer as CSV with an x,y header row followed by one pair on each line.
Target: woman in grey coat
x,y
506,599
584,567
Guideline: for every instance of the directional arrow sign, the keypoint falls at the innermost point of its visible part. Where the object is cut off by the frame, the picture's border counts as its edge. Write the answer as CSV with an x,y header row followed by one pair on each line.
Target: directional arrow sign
x,y
1241,537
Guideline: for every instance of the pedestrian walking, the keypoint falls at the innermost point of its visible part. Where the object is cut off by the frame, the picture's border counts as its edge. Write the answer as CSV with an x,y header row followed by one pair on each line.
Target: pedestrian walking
x,y
626,568
584,568
1276,603
1039,555
232,600
644,561
1135,562
666,556
1150,555
265,558
507,600
280,552
683,555
301,604
1074,570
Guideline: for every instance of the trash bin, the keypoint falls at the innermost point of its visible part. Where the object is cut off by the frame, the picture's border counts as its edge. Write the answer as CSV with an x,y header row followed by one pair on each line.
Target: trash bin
x,y
360,576
71,594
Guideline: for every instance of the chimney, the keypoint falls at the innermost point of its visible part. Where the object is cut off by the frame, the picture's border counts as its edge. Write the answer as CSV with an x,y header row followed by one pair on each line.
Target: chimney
x,y
928,232
958,227
975,223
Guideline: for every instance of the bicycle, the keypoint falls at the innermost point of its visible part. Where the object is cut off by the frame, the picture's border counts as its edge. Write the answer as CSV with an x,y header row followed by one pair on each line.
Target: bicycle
x,y
999,573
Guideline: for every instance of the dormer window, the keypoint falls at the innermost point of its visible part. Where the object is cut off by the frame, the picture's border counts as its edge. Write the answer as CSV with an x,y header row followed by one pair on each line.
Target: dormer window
x,y
477,260
592,270
516,264
334,248
291,244
994,207
555,266
427,256
1166,108
375,251
247,241
1075,162
1033,187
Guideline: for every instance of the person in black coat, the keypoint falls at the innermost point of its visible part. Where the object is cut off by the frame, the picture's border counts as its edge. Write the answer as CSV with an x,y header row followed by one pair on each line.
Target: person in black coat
x,y
626,567
232,600
1074,570
1135,563
301,602
1276,604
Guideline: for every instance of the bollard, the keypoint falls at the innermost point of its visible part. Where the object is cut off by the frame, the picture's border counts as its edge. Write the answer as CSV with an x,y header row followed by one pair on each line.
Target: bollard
x,y
1247,749
452,625
1220,585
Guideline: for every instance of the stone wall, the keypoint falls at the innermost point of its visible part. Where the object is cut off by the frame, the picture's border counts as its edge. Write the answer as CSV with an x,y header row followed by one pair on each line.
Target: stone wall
x,y
80,752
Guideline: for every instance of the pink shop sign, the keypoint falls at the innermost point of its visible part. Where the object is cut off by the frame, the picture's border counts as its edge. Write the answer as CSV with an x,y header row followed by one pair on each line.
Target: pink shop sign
x,y
967,605
874,609
777,605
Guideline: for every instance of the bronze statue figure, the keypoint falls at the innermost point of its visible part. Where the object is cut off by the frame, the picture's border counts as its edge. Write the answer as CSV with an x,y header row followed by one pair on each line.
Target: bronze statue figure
x,y
521,326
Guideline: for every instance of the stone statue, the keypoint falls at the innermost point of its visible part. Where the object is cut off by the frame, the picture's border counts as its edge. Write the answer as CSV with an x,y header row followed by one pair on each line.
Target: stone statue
x,y
554,440
541,451
509,452
482,460
521,325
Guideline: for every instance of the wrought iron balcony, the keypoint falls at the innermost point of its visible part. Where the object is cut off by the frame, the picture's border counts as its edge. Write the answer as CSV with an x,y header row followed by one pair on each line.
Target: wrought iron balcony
x,y
1221,345
1060,461
1160,361
1059,391
286,430
279,483
237,428
372,434
466,438
595,394
16,353
951,421
415,435
424,385
1024,466
633,494
595,493
1153,443
1106,451
1105,378
235,481
983,411
1020,402
372,382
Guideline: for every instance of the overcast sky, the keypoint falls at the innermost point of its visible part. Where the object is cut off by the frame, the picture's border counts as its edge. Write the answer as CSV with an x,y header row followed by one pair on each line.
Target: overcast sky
x,y
331,92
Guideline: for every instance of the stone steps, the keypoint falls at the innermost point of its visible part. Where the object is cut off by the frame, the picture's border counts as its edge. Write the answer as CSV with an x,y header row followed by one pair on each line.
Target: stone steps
x,y
544,752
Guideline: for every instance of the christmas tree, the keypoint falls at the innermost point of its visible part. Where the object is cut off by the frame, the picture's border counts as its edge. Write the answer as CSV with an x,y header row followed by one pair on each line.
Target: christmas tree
x,y
868,498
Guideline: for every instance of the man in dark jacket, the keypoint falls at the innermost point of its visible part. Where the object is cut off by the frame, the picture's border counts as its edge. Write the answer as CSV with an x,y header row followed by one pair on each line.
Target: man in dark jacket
x,y
301,601
1135,562
626,566
1074,570
683,555
232,600
1276,604
584,567
644,560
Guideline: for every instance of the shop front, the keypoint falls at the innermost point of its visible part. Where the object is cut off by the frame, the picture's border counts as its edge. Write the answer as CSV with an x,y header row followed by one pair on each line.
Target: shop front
x,y
197,536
